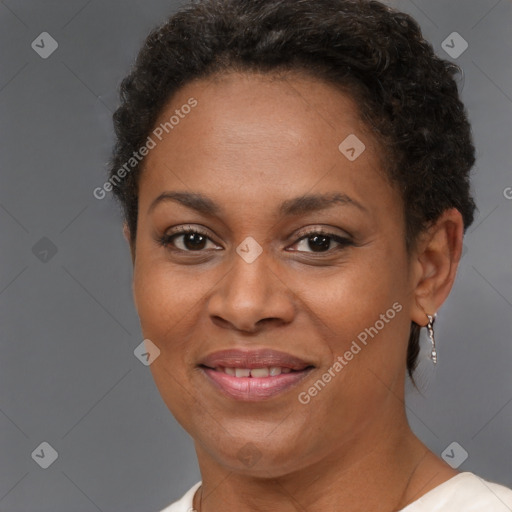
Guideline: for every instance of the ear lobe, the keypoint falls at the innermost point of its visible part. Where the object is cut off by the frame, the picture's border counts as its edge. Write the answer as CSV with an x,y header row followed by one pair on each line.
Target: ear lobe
x,y
436,260
126,232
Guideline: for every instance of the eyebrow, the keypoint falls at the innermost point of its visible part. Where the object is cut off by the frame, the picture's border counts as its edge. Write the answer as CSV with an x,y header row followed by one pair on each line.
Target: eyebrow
x,y
297,206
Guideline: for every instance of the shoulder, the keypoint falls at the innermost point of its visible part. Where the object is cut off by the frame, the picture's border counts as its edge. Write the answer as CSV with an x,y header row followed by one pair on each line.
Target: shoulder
x,y
184,504
464,492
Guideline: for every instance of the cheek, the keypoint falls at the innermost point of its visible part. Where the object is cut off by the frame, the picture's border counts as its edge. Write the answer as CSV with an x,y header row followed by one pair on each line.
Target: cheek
x,y
362,322
167,303
361,311
166,297
354,297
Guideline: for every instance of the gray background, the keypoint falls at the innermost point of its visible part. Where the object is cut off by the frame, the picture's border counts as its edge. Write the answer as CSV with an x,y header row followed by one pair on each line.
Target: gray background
x,y
68,375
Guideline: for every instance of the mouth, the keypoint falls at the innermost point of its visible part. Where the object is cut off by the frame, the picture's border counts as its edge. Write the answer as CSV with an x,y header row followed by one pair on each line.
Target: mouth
x,y
253,375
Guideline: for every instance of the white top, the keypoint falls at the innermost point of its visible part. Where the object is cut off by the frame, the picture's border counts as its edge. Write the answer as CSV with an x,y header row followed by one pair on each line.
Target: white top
x,y
465,492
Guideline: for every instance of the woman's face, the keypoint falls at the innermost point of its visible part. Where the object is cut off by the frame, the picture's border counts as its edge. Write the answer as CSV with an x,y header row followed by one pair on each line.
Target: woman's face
x,y
282,275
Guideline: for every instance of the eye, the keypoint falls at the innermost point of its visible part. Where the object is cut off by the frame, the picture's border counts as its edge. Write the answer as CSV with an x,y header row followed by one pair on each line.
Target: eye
x,y
321,241
187,239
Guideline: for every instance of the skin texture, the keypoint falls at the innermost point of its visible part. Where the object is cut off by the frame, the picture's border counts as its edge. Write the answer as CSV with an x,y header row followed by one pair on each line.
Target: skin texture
x,y
252,142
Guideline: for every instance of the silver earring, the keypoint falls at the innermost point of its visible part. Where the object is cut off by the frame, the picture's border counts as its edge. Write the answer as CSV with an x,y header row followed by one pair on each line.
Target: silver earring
x,y
430,328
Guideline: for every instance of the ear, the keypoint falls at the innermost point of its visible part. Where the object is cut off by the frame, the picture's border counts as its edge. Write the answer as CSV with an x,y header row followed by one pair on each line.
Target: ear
x,y
434,264
126,234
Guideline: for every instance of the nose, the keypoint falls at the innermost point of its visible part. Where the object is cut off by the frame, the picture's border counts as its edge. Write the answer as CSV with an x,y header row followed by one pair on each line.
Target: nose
x,y
251,296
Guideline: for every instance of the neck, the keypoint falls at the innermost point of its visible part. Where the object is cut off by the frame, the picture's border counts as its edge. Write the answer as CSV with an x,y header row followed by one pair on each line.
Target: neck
x,y
384,469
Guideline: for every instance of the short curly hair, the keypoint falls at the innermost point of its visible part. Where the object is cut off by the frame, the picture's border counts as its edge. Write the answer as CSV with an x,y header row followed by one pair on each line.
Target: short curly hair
x,y
406,95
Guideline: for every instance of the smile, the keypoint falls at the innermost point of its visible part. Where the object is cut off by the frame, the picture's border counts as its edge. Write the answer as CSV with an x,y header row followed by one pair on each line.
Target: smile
x,y
253,375
257,373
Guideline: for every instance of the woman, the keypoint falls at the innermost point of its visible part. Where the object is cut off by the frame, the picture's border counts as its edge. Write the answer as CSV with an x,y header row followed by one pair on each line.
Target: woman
x,y
294,180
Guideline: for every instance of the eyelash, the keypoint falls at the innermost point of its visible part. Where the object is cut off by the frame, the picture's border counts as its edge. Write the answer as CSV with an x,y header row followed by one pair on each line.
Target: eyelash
x,y
167,239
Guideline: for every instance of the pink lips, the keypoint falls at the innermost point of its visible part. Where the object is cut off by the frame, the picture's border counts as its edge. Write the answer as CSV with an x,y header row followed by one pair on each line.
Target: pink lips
x,y
250,388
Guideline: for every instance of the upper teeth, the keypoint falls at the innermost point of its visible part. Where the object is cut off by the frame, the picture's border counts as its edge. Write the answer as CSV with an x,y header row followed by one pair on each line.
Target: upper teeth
x,y
254,372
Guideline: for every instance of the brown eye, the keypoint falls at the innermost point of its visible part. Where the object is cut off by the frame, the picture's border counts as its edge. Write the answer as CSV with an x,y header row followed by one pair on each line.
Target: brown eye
x,y
189,240
194,241
321,242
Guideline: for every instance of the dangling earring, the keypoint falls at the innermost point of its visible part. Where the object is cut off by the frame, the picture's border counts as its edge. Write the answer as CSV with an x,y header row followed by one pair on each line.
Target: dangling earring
x,y
430,328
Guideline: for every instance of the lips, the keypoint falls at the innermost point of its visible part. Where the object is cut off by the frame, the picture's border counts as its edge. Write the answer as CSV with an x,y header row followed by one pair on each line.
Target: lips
x,y
253,375
250,359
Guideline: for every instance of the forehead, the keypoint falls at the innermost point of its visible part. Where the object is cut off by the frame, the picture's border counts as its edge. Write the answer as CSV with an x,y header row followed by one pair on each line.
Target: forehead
x,y
260,133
